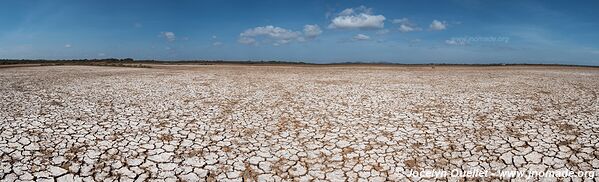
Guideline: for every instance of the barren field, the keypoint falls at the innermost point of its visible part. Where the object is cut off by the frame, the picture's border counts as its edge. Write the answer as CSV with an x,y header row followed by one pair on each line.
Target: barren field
x,y
286,123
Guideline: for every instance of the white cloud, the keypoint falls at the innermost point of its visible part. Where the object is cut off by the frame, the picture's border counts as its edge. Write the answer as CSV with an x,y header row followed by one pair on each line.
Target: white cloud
x,y
169,36
67,46
455,42
407,28
438,25
405,25
400,21
361,37
271,31
277,35
346,12
214,37
364,9
311,31
360,17
451,42
101,54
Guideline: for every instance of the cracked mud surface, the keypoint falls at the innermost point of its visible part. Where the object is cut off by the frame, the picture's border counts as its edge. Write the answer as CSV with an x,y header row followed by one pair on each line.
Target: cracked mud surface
x,y
282,123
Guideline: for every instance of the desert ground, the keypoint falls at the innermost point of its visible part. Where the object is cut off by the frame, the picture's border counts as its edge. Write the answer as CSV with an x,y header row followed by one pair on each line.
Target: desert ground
x,y
295,123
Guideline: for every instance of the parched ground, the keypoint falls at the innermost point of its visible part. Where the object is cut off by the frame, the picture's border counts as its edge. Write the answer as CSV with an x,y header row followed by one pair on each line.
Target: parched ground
x,y
286,123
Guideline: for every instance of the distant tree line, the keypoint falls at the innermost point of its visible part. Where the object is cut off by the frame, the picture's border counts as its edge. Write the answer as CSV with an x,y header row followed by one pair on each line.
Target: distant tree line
x,y
41,61
132,61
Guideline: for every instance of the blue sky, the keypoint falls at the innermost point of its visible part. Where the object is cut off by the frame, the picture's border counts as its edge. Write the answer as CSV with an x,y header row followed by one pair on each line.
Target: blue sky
x,y
458,31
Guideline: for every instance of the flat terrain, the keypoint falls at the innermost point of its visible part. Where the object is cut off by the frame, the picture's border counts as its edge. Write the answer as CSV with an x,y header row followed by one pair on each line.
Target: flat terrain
x,y
284,123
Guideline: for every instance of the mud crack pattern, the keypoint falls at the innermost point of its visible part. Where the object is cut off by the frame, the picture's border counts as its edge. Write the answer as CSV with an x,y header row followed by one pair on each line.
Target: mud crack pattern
x,y
278,123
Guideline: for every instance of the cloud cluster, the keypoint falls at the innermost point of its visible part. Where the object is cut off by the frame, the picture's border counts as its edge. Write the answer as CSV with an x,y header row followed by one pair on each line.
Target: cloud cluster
x,y
405,25
438,25
360,18
169,36
278,35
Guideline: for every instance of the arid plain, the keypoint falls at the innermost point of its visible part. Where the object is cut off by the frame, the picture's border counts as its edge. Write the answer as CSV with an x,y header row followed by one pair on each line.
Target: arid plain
x,y
294,123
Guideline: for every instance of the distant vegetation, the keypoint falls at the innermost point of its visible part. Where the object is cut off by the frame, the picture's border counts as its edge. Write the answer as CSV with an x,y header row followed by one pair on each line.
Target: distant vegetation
x,y
129,62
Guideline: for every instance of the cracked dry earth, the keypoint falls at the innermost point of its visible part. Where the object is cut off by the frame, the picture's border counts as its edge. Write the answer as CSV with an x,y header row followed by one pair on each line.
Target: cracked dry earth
x,y
285,123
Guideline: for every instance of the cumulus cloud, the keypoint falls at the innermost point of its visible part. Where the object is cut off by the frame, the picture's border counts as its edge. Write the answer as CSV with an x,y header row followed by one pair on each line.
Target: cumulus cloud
x,y
360,17
405,25
277,35
67,46
312,31
271,31
438,25
360,37
169,36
